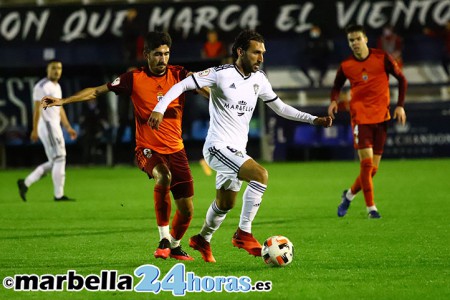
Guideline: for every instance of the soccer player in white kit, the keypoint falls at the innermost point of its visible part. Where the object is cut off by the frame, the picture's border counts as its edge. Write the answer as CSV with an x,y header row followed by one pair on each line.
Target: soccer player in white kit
x,y
47,127
235,89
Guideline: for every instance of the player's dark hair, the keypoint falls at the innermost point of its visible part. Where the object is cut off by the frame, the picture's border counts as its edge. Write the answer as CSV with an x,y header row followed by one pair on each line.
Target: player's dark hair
x,y
155,39
355,28
243,41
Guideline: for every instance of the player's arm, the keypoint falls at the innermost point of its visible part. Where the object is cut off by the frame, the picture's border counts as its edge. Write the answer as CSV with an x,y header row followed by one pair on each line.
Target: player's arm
x,y
86,94
66,124
36,115
339,81
288,112
175,91
204,91
393,68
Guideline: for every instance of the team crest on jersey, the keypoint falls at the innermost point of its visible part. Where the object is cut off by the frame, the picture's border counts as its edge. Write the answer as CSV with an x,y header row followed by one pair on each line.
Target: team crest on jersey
x,y
159,96
116,81
203,73
365,77
256,88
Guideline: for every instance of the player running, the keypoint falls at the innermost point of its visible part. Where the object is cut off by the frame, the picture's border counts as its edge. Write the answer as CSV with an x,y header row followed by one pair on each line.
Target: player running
x,y
160,154
235,89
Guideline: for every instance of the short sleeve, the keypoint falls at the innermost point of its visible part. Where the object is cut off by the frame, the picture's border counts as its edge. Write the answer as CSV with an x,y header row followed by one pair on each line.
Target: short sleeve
x,y
122,84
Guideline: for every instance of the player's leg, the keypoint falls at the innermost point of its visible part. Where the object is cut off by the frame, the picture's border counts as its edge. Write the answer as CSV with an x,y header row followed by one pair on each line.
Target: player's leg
x,y
363,142
257,178
182,188
33,177
379,139
154,165
226,161
162,204
180,223
41,170
52,138
59,178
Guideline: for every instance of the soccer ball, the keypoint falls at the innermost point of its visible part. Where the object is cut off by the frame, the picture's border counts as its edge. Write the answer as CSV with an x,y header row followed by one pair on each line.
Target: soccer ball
x,y
277,251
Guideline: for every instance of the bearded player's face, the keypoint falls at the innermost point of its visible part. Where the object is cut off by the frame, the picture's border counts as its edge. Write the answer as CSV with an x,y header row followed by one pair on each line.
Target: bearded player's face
x,y
253,57
158,59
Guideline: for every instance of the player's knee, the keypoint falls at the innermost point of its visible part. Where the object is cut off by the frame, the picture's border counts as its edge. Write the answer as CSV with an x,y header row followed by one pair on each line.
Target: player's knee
x,y
261,176
163,178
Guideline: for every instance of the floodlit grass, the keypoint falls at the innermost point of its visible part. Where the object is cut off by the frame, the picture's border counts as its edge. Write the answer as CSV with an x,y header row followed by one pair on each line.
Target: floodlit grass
x,y
111,226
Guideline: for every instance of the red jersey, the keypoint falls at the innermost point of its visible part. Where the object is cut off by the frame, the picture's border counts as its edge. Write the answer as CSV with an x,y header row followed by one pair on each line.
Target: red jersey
x,y
369,86
145,90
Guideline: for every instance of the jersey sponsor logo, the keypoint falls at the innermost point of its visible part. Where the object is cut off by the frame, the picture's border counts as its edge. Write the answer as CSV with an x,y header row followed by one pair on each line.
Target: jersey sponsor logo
x,y
232,86
241,107
116,81
203,73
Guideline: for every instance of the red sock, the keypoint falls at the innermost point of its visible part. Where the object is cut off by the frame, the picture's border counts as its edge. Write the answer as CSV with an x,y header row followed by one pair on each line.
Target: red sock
x,y
366,181
162,205
180,224
356,187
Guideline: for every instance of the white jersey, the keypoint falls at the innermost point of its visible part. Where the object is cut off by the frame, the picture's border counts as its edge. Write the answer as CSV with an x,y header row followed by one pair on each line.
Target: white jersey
x,y
45,87
233,100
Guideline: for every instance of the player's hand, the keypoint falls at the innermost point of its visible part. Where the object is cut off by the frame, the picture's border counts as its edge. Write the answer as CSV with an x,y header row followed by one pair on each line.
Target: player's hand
x,y
332,109
48,101
323,121
34,136
72,133
400,115
154,120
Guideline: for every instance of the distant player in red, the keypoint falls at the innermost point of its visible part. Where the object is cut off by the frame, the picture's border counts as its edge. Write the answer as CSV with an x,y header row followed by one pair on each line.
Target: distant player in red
x,y
161,153
368,72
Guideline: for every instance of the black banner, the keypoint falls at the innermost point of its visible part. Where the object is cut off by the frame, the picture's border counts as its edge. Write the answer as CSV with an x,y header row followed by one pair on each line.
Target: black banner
x,y
426,134
185,20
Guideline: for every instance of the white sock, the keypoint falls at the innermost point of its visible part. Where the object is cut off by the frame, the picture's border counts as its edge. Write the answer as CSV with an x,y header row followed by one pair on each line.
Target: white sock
x,y
37,174
370,208
214,217
174,243
252,200
350,195
59,175
164,232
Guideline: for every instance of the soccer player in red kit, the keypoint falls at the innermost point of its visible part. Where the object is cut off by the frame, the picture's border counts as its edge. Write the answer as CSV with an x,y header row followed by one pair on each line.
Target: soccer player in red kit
x,y
161,153
368,71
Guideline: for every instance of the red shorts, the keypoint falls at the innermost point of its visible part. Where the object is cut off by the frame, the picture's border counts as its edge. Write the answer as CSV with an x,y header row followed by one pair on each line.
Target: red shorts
x,y
182,185
370,136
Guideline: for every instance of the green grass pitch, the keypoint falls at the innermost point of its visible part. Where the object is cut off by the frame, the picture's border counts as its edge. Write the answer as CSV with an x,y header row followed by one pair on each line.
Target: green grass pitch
x,y
111,226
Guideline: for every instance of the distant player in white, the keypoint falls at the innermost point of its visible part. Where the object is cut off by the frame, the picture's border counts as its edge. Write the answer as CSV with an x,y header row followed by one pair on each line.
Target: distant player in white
x,y
47,127
235,89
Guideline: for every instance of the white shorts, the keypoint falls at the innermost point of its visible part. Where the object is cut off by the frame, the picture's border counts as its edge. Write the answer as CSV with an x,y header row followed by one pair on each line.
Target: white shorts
x,y
52,138
226,161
